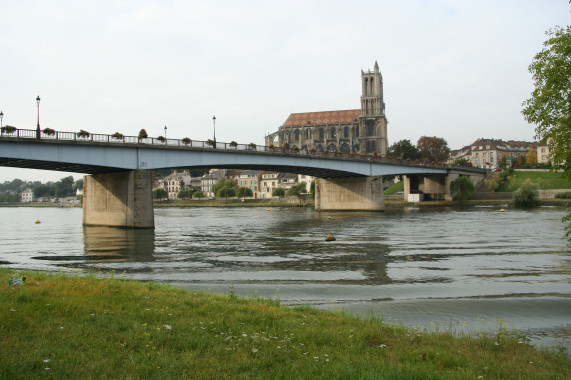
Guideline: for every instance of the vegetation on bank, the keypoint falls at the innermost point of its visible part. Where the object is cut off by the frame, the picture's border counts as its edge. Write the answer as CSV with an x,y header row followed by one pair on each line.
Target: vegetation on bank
x,y
58,326
543,180
393,189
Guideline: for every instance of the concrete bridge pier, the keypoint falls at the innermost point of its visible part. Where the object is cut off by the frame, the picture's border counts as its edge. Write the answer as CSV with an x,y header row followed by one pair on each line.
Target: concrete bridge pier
x,y
121,199
349,194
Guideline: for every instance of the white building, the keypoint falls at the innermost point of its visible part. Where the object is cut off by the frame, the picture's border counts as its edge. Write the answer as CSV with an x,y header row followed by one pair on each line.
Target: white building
x,y
27,196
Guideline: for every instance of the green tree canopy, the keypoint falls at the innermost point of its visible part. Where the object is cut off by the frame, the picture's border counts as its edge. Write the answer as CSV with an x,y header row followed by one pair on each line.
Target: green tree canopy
x,y
462,187
433,148
160,193
403,149
44,191
187,193
198,194
278,192
226,192
223,183
64,187
463,162
297,190
244,192
527,195
549,106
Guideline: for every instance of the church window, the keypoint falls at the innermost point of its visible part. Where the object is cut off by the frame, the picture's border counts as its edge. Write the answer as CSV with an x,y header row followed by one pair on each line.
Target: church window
x,y
346,132
356,131
321,134
370,127
296,134
333,133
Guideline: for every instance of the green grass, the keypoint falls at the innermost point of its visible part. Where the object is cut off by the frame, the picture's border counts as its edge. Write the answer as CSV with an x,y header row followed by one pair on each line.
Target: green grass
x,y
58,326
544,180
399,186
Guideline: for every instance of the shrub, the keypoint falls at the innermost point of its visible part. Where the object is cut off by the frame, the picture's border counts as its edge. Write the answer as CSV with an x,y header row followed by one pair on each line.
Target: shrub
x,y
8,129
462,188
49,131
83,133
186,141
143,134
527,195
252,145
565,195
233,144
211,142
117,135
161,139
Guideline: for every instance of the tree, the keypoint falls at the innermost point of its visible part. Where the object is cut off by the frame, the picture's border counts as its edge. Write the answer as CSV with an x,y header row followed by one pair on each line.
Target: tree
x,y
78,185
312,190
433,148
64,187
44,191
403,149
226,192
549,107
198,194
187,193
531,157
461,188
278,192
244,192
160,193
223,183
300,188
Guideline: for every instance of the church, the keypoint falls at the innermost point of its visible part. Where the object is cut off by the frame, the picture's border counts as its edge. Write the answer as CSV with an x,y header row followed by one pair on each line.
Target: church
x,y
360,131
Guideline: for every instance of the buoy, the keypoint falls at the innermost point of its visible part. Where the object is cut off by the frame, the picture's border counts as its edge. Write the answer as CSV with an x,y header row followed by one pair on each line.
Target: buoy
x,y
502,210
330,238
268,209
37,221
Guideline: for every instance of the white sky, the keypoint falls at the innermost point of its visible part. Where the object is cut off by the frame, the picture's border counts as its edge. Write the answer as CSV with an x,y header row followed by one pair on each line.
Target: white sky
x,y
452,69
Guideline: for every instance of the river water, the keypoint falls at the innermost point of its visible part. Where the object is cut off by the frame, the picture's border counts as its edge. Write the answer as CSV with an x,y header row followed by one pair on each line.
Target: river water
x,y
459,270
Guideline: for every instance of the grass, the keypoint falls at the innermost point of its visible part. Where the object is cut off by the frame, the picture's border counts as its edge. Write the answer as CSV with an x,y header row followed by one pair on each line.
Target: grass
x,y
399,186
58,326
543,180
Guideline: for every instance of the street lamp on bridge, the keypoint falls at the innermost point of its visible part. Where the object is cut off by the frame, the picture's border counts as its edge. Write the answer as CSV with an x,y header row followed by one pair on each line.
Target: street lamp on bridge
x,y
1,117
165,132
38,132
214,121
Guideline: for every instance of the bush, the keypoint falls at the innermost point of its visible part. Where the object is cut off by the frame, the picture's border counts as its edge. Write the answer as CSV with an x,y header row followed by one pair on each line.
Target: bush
x,y
527,195
566,195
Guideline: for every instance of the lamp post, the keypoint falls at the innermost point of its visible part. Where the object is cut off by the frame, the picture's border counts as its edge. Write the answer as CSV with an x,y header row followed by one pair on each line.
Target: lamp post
x,y
165,132
1,117
38,132
214,122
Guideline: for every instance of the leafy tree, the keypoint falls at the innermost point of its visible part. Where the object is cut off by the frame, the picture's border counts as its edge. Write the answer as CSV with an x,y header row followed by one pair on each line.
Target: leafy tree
x,y
9,198
278,192
461,188
297,190
223,183
312,190
44,191
527,195
226,192
185,193
78,185
549,106
14,185
531,157
463,162
160,193
403,149
198,194
433,148
64,187
244,192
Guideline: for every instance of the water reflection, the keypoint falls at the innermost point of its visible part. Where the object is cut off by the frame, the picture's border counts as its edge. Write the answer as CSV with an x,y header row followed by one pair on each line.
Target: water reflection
x,y
111,244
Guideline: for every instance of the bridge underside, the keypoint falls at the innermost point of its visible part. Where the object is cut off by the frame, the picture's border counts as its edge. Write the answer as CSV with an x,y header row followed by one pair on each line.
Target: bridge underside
x,y
57,166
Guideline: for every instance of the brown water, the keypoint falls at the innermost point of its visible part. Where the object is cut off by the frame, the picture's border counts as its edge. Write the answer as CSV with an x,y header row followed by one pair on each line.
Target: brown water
x,y
457,270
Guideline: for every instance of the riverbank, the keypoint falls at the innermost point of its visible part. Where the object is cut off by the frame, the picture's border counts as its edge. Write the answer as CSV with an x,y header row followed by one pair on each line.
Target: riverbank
x,y
62,326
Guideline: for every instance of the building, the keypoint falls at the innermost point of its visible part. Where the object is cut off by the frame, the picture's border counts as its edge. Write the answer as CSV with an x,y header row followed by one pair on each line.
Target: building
x,y
175,182
543,153
488,153
268,182
307,179
361,131
251,180
27,196
209,180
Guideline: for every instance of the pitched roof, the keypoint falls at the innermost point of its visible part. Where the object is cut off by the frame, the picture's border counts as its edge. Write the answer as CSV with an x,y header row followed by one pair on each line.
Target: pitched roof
x,y
324,117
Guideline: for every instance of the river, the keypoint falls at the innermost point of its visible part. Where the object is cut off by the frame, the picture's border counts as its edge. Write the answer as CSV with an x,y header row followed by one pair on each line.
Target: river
x,y
460,270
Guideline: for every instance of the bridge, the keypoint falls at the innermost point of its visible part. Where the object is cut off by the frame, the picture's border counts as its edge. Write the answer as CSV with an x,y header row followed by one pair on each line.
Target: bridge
x,y
118,189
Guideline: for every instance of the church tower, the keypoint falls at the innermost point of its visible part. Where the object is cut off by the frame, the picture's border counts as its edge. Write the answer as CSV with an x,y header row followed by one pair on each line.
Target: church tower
x,y
372,121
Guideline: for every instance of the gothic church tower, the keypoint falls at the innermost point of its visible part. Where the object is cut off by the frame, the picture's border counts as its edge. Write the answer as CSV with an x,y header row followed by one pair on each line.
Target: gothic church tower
x,y
372,121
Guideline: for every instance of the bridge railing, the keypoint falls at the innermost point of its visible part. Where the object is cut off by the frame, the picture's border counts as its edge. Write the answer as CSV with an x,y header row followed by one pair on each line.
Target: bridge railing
x,y
50,134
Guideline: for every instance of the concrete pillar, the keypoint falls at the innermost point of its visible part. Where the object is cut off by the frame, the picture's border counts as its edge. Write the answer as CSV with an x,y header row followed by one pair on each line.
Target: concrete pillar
x,y
121,199
349,194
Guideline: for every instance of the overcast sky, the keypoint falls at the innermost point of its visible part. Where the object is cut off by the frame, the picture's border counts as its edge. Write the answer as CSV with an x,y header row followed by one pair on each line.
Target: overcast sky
x,y
452,69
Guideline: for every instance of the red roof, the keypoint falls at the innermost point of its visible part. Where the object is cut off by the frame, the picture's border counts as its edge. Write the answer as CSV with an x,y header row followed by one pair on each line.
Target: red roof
x,y
325,117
